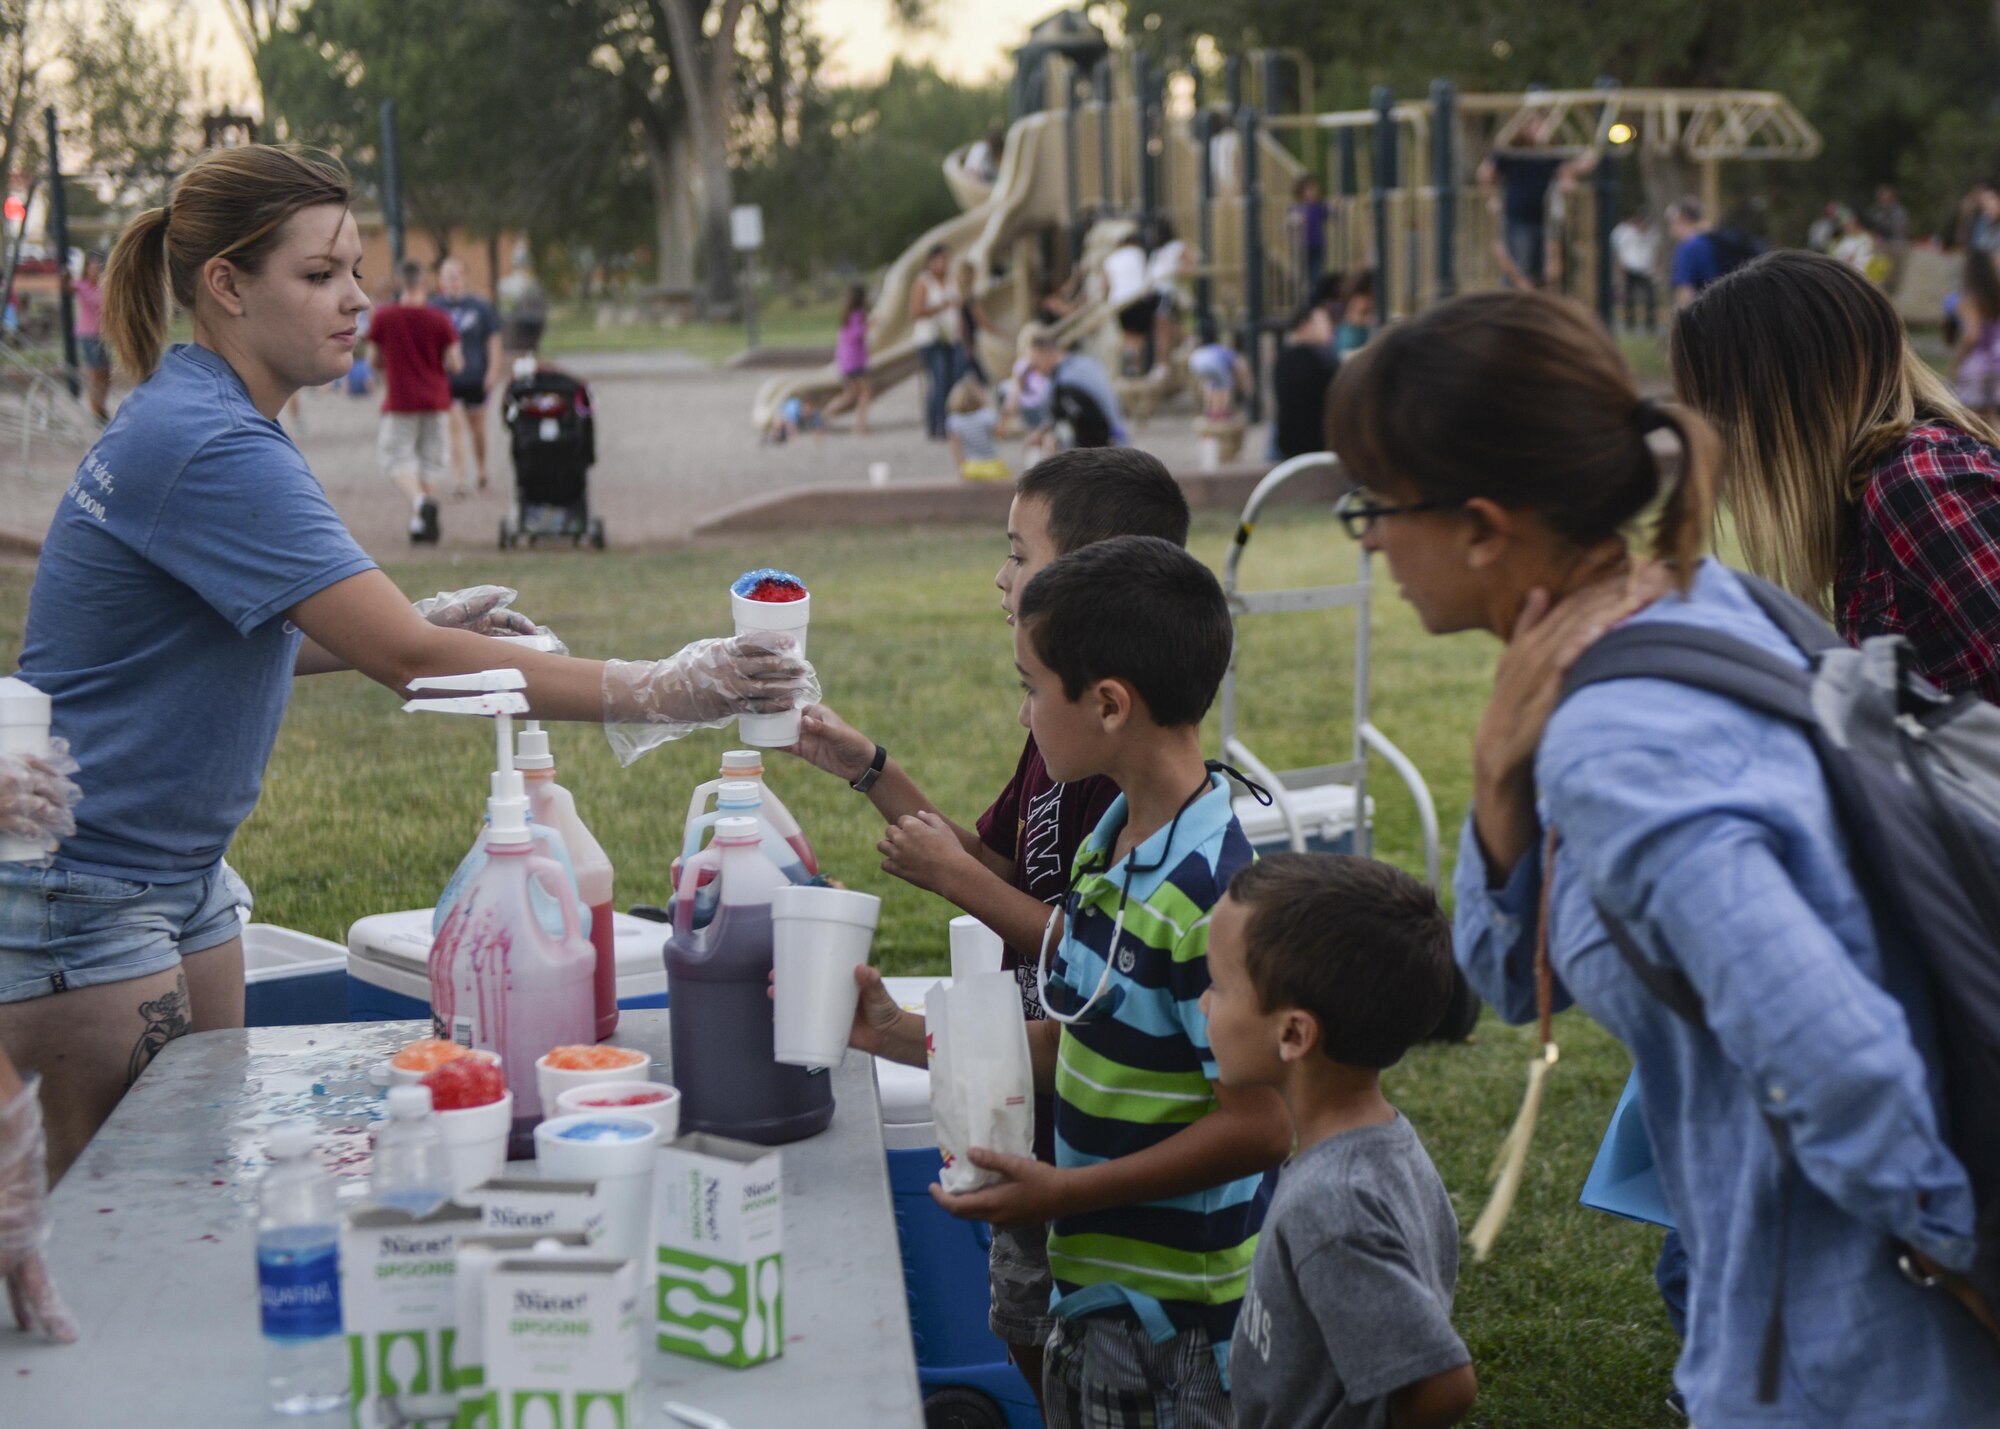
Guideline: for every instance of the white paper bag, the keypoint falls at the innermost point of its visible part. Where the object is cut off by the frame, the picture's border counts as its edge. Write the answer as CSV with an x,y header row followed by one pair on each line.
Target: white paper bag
x,y
982,1083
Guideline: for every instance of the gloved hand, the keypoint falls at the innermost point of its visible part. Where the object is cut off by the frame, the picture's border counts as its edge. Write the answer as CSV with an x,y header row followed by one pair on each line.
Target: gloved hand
x,y
705,685
482,609
24,1218
36,794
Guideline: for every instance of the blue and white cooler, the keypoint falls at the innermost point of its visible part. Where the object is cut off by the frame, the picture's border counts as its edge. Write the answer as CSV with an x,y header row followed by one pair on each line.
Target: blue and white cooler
x,y
962,1366
388,965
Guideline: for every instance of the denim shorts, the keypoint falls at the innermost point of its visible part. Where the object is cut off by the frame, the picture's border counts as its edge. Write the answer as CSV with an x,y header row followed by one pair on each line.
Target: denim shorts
x,y
1018,1273
61,929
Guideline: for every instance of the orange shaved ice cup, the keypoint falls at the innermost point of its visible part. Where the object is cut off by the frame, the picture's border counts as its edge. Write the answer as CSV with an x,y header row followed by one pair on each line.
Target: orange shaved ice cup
x,y
592,1058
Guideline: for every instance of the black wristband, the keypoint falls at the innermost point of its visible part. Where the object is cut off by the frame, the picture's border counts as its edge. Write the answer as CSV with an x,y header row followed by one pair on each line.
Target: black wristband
x,y
872,772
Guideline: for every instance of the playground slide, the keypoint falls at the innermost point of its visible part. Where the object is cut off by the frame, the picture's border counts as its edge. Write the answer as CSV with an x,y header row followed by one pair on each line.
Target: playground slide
x,y
1026,194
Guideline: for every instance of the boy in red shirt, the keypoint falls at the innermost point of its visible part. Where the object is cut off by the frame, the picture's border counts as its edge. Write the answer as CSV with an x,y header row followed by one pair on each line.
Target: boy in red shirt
x,y
417,349
1015,863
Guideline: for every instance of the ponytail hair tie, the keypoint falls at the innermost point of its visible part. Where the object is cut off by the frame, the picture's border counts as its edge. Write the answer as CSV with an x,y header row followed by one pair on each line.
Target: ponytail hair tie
x,y
1649,416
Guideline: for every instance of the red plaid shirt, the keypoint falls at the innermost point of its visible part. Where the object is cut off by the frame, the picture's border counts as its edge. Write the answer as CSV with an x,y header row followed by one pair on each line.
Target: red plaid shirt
x,y
1927,566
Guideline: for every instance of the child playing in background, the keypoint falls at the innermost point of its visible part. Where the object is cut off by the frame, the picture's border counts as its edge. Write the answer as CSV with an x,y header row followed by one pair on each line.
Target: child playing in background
x,y
1222,372
970,427
1357,313
794,416
1159,1186
1322,970
1015,862
850,353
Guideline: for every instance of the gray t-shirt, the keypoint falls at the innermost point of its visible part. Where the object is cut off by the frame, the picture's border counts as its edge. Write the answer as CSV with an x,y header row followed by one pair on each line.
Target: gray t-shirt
x,y
1350,1293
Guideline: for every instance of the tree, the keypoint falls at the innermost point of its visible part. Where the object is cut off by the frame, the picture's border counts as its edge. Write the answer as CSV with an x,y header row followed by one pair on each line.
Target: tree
x,y
128,94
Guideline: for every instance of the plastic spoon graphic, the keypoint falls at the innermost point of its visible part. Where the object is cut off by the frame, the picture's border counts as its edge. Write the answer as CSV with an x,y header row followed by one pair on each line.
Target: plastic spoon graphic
x,y
685,1302
600,1415
715,1280
538,1413
767,1289
716,1340
753,1327
405,1363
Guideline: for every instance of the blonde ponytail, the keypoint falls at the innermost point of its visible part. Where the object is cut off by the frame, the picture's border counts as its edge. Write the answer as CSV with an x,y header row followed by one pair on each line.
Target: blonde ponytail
x,y
137,302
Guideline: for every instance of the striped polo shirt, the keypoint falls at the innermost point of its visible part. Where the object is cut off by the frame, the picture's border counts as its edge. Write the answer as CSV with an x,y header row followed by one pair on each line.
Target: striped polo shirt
x,y
1139,1069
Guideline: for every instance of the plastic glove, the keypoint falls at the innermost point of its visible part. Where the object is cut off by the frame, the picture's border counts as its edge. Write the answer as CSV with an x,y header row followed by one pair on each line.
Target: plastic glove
x,y
705,685
24,1218
36,794
482,609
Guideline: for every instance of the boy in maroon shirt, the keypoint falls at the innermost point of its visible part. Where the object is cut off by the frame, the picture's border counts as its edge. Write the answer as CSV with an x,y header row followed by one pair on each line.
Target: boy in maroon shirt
x,y
417,348
1013,867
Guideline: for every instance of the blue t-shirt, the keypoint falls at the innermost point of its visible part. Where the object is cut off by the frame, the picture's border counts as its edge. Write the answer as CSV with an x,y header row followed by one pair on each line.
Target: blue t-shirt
x,y
1695,262
156,624
476,321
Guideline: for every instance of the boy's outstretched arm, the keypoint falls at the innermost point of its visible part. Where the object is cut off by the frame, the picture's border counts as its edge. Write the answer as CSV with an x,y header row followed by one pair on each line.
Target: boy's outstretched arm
x,y
1248,1132
1434,1403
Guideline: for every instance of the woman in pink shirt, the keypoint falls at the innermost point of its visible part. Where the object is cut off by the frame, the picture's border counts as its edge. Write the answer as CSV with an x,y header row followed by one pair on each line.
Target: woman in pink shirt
x,y
89,311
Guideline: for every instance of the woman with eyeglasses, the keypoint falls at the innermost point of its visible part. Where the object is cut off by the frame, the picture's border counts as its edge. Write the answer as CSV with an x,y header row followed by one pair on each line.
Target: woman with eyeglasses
x,y
1503,461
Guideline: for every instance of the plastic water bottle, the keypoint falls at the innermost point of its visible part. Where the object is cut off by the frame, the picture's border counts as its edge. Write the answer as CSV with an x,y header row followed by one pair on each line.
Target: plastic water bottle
x,y
298,1277
412,1172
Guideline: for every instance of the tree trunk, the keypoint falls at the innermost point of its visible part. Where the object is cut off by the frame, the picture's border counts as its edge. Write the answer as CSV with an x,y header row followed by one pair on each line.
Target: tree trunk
x,y
678,233
707,82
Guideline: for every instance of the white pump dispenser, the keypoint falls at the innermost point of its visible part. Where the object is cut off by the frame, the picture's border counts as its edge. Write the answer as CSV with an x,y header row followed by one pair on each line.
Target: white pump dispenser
x,y
498,695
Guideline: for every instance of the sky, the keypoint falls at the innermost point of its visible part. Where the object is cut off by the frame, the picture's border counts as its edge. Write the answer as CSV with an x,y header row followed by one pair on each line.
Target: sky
x,y
971,39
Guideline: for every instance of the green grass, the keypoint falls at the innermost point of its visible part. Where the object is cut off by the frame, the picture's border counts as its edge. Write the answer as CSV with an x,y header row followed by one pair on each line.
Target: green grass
x,y
781,322
367,809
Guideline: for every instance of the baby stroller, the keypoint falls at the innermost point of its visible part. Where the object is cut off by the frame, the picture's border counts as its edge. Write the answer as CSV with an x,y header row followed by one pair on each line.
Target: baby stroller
x,y
554,436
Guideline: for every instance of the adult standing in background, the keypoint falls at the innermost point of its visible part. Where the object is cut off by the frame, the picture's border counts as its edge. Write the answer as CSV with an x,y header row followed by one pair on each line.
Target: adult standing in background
x,y
417,349
1636,244
1697,263
1299,380
1522,175
96,358
1975,357
479,342
524,306
934,331
1889,221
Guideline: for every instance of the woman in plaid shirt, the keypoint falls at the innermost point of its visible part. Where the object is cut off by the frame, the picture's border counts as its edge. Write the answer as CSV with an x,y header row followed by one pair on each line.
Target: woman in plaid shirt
x,y
1856,478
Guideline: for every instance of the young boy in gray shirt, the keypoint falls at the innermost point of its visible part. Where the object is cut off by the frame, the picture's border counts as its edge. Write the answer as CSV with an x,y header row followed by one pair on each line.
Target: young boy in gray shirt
x,y
1324,970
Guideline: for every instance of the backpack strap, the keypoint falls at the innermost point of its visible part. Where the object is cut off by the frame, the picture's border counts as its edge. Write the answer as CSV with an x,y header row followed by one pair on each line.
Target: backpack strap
x,y
1704,659
1802,625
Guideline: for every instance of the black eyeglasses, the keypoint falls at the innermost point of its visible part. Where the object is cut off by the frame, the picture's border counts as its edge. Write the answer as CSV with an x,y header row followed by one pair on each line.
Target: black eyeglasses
x,y
1358,514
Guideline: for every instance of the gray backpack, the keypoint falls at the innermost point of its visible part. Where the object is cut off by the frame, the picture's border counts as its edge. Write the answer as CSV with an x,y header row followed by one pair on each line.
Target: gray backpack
x,y
1915,782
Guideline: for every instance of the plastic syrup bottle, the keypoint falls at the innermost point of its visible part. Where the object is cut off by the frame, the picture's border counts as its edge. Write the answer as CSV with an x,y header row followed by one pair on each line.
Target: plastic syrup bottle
x,y
501,980
737,798
298,1277
412,1170
552,807
718,1004
749,764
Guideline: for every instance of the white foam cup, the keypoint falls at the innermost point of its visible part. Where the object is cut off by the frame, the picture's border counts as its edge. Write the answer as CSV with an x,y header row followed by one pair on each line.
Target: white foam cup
x,y
780,730
552,1082
975,948
818,937
24,729
617,1152
475,1141
878,473
664,1111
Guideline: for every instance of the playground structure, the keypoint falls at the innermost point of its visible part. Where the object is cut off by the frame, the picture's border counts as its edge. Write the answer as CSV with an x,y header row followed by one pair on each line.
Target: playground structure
x,y
1103,142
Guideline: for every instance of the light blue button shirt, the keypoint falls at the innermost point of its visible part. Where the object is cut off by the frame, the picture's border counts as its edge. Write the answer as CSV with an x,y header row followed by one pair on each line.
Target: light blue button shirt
x,y
1707,830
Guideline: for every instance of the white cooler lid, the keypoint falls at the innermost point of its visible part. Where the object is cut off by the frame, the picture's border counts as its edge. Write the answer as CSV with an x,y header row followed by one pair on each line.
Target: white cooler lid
x,y
1325,810
401,943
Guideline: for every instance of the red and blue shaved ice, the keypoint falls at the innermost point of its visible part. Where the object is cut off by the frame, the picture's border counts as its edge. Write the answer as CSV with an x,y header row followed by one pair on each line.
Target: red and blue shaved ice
x,y
773,586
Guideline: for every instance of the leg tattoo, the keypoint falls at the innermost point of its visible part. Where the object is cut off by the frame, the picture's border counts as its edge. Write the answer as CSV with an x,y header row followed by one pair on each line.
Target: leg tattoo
x,y
166,1018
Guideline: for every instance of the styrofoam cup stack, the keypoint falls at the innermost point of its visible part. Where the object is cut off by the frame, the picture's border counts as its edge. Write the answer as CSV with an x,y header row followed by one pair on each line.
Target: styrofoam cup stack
x,y
781,730
617,1152
975,948
24,729
819,936
552,1082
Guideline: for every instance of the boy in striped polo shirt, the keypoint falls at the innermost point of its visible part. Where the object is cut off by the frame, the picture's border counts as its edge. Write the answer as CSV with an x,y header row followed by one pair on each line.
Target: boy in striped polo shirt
x,y
1159,1185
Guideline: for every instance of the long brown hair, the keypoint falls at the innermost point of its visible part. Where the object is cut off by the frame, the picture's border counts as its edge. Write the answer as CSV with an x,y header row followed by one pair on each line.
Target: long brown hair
x,y
1523,399
231,204
1802,365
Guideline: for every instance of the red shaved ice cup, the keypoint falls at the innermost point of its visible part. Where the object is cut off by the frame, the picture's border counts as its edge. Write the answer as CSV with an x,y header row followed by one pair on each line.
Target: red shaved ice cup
x,y
657,1102
781,730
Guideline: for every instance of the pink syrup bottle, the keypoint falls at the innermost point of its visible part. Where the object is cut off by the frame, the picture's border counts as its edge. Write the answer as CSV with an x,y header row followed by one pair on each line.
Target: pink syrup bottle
x,y
552,806
719,1007
749,764
500,980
